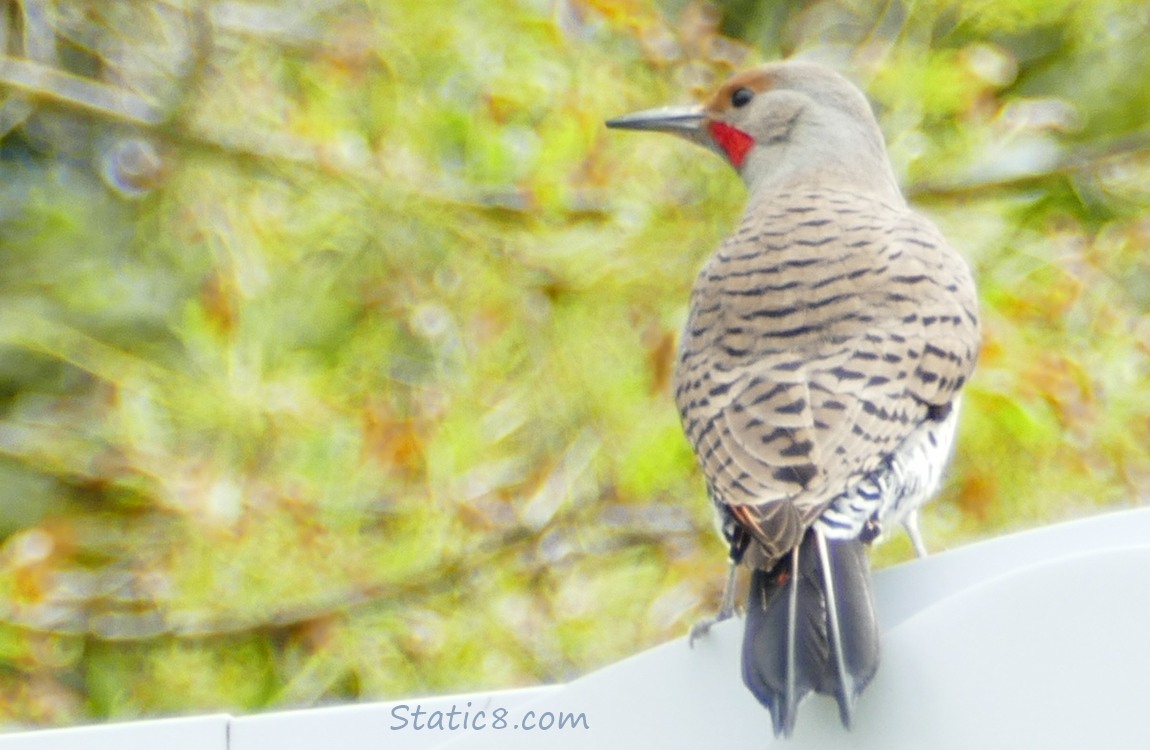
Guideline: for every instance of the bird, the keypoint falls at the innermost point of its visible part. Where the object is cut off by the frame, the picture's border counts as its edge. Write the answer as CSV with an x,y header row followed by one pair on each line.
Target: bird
x,y
820,371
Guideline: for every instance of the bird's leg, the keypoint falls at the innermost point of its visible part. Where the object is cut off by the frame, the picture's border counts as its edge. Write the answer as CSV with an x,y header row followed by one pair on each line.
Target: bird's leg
x,y
726,608
910,523
739,540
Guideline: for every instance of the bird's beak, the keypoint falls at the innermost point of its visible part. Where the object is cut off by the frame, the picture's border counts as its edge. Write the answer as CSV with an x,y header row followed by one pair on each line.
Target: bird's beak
x,y
684,121
687,122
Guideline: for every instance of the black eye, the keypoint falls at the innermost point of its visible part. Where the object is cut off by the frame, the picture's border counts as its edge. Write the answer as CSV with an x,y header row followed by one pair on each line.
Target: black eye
x,y
740,96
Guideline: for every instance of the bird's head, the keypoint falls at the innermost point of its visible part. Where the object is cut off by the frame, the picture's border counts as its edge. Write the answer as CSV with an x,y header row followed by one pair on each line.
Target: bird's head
x,y
784,124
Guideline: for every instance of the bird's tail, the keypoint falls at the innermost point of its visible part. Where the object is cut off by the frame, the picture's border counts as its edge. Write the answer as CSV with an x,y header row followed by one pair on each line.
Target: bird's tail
x,y
811,626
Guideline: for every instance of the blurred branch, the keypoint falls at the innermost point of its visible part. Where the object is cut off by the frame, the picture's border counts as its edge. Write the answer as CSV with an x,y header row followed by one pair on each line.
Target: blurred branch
x,y
1086,160
119,605
116,604
51,84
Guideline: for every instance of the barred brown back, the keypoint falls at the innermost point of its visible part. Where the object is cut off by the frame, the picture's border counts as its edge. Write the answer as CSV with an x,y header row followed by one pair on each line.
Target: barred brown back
x,y
821,334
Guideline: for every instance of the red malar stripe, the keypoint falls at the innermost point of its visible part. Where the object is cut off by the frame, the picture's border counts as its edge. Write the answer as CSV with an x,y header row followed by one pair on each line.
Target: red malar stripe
x,y
733,141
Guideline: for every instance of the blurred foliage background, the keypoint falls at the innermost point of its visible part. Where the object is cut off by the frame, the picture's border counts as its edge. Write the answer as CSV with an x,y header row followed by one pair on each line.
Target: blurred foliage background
x,y
335,335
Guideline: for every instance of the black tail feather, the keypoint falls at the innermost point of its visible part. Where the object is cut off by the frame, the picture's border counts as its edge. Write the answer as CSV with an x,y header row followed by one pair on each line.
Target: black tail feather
x,y
811,631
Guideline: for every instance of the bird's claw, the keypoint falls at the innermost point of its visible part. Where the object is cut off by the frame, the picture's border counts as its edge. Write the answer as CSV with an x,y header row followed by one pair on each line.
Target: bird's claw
x,y
703,627
726,608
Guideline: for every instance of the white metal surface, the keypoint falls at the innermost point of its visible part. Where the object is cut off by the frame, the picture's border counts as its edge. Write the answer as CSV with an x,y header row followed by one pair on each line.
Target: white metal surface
x,y
187,733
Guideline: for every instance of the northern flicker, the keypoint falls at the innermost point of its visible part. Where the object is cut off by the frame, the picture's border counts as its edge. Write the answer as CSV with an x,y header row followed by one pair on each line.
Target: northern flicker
x,y
820,371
